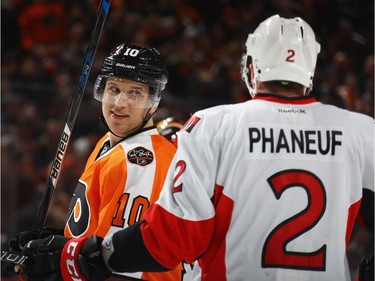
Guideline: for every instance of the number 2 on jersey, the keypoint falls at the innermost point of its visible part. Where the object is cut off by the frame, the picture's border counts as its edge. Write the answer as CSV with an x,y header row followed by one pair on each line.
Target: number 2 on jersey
x,y
274,249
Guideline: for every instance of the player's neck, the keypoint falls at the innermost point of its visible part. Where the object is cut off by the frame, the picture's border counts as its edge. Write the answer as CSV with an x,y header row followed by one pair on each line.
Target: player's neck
x,y
115,138
281,91
283,94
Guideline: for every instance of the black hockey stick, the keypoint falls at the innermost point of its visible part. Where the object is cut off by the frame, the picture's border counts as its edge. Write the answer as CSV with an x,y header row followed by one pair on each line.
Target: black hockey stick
x,y
17,258
73,110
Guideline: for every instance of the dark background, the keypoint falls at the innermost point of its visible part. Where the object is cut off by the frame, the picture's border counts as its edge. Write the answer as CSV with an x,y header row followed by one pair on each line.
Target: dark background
x,y
42,48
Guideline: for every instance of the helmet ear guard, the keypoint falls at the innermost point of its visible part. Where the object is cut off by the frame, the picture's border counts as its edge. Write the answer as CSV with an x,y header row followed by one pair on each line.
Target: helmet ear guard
x,y
281,50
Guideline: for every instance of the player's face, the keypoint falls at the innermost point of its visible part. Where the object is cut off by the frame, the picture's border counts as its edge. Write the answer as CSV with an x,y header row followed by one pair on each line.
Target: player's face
x,y
124,105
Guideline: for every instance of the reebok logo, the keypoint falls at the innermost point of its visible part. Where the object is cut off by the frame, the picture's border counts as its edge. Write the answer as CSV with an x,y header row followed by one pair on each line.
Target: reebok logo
x,y
292,110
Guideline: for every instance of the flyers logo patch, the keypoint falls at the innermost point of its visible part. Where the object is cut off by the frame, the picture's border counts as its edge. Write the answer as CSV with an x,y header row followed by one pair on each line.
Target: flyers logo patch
x,y
140,156
190,124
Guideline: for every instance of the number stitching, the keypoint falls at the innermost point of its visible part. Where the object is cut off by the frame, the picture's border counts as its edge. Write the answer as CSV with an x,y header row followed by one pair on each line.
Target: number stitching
x,y
274,252
118,219
138,206
182,165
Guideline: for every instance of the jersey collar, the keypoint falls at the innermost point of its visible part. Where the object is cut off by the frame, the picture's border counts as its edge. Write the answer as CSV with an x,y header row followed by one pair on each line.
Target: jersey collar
x,y
281,99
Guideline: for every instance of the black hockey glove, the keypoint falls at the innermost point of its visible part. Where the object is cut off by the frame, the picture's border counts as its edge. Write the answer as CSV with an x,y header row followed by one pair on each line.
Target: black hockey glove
x,y
366,269
59,258
17,243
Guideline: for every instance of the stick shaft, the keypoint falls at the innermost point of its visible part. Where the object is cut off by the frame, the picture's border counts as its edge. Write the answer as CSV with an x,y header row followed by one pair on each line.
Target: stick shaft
x,y
72,114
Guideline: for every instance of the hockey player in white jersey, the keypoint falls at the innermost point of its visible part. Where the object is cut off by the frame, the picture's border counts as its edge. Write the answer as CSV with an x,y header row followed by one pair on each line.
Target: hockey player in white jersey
x,y
268,189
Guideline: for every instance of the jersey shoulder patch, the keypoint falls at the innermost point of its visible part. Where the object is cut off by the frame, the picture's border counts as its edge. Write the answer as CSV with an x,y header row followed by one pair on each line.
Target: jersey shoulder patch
x,y
190,124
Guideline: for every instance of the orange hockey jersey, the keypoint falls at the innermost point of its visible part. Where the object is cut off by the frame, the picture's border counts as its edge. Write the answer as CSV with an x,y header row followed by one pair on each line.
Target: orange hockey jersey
x,y
117,186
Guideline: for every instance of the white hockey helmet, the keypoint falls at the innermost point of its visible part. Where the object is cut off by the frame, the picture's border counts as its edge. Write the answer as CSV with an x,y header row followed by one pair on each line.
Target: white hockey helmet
x,y
281,49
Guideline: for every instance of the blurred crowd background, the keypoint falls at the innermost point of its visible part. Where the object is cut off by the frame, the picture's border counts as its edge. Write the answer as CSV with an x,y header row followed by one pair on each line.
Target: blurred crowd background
x,y
42,49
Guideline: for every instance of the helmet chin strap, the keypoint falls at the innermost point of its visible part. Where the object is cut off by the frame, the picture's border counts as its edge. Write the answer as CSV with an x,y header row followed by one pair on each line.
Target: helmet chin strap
x,y
139,127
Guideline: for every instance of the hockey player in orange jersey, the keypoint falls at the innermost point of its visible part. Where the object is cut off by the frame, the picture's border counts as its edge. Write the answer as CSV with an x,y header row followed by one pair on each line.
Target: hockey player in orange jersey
x,y
126,170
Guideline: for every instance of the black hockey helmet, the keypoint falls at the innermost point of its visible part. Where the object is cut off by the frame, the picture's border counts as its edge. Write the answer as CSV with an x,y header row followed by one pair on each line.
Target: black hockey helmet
x,y
132,62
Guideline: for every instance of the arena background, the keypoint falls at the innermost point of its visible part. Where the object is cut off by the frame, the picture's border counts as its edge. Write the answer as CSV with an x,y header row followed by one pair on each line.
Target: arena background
x,y
42,48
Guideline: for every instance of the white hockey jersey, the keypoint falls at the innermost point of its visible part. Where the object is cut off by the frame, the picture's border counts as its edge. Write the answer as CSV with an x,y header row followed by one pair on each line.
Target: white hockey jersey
x,y
264,190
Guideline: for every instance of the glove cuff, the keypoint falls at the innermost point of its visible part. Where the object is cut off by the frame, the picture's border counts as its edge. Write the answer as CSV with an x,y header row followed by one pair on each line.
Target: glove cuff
x,y
69,259
107,249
